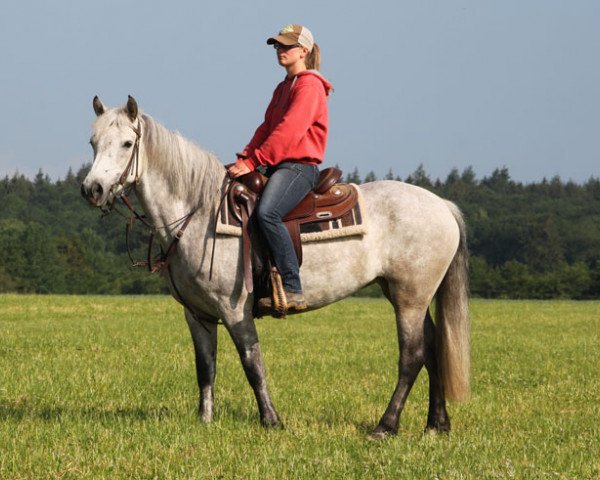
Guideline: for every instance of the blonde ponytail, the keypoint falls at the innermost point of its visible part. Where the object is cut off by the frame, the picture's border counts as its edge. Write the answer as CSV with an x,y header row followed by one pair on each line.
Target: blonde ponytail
x,y
313,59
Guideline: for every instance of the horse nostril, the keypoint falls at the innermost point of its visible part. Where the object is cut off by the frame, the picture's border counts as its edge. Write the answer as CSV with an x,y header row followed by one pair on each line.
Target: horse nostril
x,y
97,191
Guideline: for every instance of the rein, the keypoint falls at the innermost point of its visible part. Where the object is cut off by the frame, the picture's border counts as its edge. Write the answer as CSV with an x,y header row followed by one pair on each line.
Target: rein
x,y
165,257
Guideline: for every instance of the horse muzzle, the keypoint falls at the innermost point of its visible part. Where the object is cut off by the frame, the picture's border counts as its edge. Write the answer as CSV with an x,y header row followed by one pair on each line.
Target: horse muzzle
x,y
97,195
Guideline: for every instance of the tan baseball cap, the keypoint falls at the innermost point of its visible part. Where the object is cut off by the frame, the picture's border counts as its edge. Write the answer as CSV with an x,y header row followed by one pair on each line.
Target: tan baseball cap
x,y
292,35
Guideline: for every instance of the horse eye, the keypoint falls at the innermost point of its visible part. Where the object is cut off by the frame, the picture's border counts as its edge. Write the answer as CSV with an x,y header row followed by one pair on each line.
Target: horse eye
x,y
127,144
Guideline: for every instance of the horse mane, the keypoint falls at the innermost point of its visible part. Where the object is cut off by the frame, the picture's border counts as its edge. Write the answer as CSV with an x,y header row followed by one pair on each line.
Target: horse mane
x,y
190,170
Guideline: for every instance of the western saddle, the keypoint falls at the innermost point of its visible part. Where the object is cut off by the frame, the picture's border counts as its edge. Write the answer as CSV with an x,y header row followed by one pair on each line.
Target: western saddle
x,y
328,200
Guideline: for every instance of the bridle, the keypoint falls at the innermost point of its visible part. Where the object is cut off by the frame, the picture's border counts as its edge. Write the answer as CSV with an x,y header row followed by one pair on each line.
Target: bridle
x,y
119,191
135,154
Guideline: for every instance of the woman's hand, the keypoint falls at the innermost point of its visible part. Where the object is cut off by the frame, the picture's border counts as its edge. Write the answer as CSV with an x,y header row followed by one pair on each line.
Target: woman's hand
x,y
238,169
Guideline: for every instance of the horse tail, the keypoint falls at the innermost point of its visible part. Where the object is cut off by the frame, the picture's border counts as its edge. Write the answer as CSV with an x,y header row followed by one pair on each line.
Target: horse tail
x,y
452,320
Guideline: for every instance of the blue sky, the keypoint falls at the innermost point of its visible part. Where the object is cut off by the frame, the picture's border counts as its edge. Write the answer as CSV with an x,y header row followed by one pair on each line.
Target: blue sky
x,y
445,84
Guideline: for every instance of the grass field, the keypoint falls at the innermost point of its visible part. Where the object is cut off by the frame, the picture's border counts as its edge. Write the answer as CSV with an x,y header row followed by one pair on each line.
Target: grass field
x,y
104,387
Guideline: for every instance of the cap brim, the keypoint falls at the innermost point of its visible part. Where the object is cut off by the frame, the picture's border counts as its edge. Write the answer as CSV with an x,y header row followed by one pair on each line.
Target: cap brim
x,y
283,39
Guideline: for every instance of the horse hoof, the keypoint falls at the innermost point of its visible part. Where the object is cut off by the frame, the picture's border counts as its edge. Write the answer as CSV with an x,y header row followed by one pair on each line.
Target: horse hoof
x,y
435,432
205,416
377,436
437,429
271,424
381,434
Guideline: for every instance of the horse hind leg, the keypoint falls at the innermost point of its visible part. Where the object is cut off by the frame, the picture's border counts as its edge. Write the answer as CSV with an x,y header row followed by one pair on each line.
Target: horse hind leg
x,y
412,344
437,416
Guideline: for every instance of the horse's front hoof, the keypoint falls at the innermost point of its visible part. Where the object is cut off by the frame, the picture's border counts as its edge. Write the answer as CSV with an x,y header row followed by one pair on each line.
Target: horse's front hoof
x,y
205,417
206,405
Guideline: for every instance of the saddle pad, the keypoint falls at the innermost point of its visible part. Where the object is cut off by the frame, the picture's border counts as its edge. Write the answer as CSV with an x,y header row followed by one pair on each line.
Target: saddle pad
x,y
350,224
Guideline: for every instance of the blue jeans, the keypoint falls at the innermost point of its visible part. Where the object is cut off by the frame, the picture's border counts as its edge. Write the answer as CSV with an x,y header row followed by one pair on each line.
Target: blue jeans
x,y
289,183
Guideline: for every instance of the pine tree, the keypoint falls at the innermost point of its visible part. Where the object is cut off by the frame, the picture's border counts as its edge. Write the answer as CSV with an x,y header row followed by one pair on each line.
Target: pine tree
x,y
370,177
419,177
353,177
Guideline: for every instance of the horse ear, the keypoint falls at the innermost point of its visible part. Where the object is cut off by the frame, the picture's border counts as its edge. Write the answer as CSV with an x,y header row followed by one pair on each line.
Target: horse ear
x,y
98,106
132,108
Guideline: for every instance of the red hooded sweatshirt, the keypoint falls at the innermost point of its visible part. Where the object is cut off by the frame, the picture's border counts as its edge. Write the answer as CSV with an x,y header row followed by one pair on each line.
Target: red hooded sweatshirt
x,y
296,123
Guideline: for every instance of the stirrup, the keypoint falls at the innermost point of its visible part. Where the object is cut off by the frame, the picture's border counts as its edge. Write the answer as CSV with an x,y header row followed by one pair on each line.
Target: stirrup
x,y
279,305
276,303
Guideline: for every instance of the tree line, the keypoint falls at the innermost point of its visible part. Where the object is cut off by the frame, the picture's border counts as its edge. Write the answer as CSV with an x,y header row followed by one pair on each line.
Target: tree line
x,y
536,240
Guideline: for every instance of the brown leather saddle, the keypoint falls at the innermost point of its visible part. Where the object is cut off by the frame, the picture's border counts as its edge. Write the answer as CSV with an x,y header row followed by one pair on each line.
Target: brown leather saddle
x,y
329,200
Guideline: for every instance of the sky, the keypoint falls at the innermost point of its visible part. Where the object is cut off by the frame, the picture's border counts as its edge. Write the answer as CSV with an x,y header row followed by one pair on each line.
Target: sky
x,y
444,84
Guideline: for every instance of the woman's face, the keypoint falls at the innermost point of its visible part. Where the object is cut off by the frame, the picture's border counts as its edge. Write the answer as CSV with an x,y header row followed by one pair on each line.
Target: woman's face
x,y
290,56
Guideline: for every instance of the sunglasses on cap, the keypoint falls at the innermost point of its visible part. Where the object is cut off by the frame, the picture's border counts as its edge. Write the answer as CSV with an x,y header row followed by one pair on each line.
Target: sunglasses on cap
x,y
281,46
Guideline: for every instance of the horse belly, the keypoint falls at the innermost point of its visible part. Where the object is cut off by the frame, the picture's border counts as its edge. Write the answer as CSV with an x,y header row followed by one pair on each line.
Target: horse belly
x,y
334,269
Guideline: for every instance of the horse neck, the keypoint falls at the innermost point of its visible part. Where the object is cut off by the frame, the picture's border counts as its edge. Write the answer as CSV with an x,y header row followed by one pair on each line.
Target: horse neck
x,y
177,178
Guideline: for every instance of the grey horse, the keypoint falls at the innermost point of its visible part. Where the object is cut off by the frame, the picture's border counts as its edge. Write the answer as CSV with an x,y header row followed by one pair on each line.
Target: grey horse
x,y
415,249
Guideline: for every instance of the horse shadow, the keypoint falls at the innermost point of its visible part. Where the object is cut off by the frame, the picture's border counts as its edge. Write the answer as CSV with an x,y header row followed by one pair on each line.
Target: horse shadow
x,y
22,410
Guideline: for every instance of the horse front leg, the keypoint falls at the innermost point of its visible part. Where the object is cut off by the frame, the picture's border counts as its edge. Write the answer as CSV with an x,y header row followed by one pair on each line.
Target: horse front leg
x,y
204,336
245,338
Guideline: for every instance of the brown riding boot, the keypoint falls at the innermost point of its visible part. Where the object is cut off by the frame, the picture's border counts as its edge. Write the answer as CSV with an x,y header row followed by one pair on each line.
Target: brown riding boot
x,y
265,303
294,301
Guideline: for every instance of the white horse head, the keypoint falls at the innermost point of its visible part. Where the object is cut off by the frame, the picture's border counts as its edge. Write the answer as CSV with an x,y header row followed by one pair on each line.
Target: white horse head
x,y
115,140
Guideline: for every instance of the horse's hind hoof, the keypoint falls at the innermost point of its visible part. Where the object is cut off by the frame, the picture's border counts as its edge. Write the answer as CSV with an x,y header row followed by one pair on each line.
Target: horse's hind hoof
x,y
434,432
271,424
434,428
381,433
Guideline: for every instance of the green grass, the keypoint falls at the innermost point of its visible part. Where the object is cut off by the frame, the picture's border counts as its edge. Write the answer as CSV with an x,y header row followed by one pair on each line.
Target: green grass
x,y
104,387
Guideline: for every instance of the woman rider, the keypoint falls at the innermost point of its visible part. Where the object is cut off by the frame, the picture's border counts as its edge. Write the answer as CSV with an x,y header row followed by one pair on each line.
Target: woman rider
x,y
290,143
